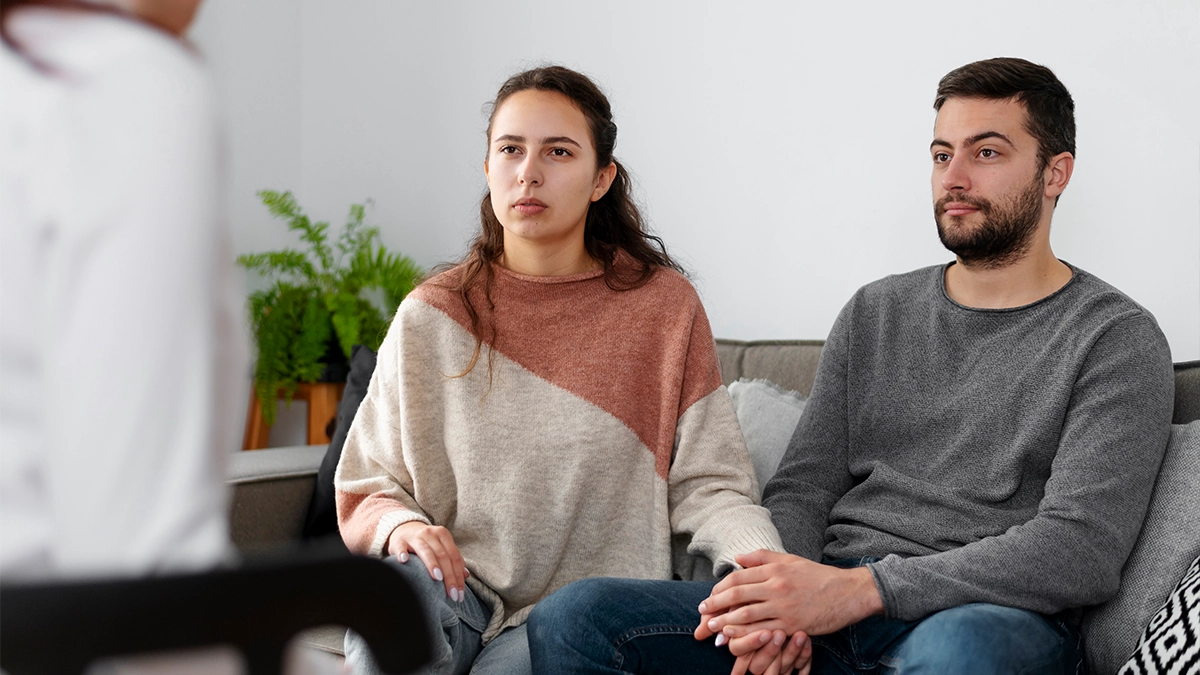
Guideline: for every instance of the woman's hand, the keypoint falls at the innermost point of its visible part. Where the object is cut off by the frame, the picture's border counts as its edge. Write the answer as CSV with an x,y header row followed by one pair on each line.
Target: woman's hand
x,y
436,548
774,654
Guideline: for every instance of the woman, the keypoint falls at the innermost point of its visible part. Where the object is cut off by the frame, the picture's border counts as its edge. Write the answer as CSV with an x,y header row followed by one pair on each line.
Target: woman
x,y
551,408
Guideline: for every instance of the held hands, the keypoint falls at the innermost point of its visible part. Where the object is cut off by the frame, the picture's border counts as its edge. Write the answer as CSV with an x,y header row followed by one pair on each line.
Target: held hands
x,y
778,595
772,653
436,548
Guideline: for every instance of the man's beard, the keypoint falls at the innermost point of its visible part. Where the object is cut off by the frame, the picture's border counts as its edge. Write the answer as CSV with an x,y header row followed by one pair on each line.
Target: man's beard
x,y
1004,236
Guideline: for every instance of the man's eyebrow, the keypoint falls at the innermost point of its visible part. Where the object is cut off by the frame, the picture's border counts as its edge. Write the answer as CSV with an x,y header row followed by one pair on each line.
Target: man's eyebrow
x,y
972,140
988,134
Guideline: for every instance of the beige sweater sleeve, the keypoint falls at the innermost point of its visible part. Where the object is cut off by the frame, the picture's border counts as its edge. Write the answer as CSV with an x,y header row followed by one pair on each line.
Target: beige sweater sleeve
x,y
712,491
373,486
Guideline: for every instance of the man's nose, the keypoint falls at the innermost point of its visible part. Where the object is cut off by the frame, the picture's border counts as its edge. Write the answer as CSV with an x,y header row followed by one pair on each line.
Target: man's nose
x,y
956,176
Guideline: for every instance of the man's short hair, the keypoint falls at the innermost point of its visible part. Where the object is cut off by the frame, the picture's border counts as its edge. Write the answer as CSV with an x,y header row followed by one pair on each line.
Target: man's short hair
x,y
1050,111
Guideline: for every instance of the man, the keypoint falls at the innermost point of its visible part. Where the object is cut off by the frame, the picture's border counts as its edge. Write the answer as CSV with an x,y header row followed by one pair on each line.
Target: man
x,y
975,460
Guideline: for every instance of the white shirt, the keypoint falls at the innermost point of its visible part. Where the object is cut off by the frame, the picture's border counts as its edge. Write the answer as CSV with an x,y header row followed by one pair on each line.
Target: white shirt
x,y
121,343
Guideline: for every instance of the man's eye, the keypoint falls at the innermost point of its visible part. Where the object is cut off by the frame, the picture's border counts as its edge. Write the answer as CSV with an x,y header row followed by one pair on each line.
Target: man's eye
x,y
987,153
941,157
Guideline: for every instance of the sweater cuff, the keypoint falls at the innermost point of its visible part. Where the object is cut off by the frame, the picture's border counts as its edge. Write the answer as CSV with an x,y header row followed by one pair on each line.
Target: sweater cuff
x,y
387,524
745,540
888,587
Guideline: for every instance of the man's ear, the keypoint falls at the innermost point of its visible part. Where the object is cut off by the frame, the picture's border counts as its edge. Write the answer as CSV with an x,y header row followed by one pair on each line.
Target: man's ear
x,y
604,179
1058,173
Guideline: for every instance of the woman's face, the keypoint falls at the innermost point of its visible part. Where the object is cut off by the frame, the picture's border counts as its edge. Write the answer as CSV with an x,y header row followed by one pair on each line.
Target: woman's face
x,y
541,170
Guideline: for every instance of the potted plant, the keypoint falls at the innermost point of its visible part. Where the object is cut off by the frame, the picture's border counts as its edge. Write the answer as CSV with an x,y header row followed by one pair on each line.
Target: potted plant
x,y
321,301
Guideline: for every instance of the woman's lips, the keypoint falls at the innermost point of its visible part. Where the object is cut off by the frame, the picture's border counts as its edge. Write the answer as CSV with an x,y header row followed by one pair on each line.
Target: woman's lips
x,y
529,207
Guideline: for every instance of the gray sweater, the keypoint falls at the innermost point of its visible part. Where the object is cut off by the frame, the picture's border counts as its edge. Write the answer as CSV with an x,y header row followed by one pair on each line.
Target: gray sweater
x,y
1000,456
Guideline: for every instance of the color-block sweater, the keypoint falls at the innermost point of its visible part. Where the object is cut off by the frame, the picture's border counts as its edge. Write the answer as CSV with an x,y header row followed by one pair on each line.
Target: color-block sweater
x,y
593,437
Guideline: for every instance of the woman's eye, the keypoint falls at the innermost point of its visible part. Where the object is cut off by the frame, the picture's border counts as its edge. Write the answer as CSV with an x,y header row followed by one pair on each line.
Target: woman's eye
x,y
560,152
507,149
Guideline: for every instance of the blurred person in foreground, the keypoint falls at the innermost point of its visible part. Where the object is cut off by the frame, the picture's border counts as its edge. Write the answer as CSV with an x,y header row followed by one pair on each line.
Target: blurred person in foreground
x,y
119,342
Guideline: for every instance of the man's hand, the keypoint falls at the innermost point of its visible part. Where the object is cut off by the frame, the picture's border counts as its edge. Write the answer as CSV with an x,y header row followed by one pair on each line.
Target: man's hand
x,y
777,591
436,548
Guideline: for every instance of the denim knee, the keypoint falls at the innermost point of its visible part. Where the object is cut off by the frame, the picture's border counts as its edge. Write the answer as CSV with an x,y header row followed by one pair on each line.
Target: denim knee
x,y
572,604
984,638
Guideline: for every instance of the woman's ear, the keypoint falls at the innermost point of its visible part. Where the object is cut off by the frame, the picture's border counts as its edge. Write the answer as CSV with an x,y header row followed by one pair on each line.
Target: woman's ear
x,y
604,179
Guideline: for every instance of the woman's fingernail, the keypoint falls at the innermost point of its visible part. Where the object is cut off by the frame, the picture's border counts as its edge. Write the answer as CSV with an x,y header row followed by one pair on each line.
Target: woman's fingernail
x,y
462,594
437,573
703,608
721,639
712,625
403,556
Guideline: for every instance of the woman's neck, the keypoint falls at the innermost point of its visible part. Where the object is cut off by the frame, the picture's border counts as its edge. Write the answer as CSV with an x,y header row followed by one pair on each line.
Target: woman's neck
x,y
546,261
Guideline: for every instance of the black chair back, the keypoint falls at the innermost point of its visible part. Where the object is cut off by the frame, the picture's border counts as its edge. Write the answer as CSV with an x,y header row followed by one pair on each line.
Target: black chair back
x,y
61,627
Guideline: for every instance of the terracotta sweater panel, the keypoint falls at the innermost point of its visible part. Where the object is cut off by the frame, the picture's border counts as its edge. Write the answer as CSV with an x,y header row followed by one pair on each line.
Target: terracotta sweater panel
x,y
573,331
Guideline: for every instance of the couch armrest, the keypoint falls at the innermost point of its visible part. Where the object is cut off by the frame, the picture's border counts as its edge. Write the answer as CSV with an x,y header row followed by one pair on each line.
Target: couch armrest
x,y
271,492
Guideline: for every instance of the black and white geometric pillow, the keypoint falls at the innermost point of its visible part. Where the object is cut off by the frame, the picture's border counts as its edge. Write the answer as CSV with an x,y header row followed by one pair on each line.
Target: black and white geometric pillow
x,y
1171,643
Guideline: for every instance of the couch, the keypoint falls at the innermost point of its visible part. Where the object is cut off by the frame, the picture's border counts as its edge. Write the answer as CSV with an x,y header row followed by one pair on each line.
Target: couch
x,y
272,489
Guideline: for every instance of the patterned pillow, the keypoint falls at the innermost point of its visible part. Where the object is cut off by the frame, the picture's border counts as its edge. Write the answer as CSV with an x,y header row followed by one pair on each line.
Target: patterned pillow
x,y
1171,643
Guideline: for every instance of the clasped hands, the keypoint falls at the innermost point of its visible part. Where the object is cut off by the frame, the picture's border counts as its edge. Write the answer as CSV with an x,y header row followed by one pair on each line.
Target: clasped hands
x,y
776,596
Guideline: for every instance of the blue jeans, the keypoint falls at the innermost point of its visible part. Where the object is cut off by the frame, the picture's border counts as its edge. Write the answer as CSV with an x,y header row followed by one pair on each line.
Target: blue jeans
x,y
458,648
616,626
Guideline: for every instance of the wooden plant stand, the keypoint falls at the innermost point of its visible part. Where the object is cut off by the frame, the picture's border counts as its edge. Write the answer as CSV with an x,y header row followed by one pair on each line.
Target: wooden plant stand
x,y
322,397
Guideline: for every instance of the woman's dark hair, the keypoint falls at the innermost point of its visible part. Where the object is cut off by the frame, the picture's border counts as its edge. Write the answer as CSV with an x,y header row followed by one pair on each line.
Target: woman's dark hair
x,y
613,222
1049,109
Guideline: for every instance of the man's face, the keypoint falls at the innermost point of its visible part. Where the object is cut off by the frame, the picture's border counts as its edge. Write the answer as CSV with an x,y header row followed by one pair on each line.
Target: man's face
x,y
989,191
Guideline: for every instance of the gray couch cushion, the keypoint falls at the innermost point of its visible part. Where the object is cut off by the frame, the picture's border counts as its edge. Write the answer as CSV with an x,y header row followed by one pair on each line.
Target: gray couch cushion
x,y
1187,392
271,492
768,415
791,364
1169,542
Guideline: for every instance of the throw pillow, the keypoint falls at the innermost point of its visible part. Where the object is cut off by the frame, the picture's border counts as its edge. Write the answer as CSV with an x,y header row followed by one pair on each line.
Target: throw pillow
x,y
1171,643
768,416
322,511
1168,543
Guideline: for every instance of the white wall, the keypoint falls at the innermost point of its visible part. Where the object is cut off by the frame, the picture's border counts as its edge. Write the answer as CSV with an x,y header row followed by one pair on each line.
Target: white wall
x,y
781,148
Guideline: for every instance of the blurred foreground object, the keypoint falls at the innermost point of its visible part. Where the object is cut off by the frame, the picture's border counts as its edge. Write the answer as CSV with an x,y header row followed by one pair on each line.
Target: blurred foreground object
x,y
62,627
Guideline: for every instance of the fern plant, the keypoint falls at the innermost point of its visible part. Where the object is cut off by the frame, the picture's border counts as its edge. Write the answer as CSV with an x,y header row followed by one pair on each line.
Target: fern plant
x,y
343,293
